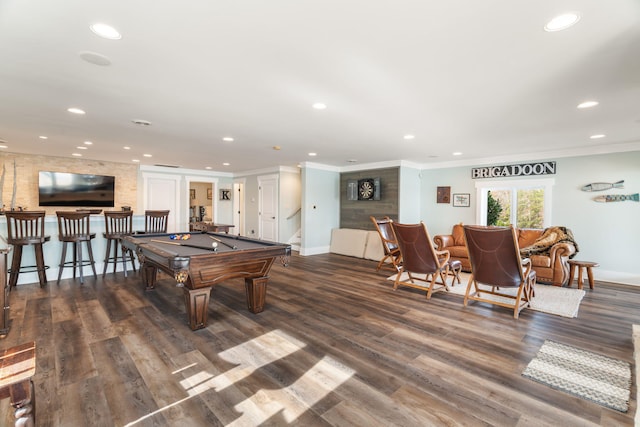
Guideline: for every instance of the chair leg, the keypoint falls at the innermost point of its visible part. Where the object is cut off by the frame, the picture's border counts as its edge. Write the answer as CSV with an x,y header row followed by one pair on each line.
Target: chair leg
x,y
91,260
106,257
42,274
78,259
15,266
62,260
124,257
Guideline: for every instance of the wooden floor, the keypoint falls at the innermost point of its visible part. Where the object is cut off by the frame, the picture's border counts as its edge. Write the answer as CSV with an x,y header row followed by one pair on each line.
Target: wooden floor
x,y
334,346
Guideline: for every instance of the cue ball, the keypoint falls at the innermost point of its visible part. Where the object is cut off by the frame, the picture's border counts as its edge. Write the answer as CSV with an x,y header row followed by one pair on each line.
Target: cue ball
x,y
214,244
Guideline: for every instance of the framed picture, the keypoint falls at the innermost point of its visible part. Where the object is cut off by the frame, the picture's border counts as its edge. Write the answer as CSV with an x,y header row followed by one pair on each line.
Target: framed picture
x,y
192,193
209,193
225,194
462,200
444,195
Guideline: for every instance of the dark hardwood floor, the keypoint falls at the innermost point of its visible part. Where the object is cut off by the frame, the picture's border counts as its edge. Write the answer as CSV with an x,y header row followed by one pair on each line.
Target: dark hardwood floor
x,y
334,346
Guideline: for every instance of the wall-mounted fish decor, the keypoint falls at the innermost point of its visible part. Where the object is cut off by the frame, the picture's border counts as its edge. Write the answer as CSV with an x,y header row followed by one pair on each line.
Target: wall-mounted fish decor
x,y
600,186
618,198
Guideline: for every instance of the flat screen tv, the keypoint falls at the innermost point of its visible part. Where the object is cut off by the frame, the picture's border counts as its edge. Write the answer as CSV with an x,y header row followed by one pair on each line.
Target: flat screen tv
x,y
74,189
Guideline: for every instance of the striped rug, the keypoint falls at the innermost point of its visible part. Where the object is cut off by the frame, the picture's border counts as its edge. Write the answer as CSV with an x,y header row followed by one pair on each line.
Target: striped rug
x,y
588,375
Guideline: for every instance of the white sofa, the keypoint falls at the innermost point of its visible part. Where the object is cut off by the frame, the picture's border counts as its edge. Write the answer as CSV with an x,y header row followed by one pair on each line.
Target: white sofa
x,y
356,243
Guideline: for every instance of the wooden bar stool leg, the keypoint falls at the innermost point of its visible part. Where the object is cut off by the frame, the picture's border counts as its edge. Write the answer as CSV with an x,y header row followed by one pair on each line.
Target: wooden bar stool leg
x,y
42,274
91,260
106,257
15,266
62,260
78,260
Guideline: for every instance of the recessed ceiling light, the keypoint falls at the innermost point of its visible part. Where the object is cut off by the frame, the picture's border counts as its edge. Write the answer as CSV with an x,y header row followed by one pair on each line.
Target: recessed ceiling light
x,y
227,139
457,153
3,146
276,147
81,147
409,136
208,167
226,164
127,148
105,31
135,161
43,137
319,106
147,155
562,22
75,110
141,122
88,143
598,136
587,104
313,154
95,58
76,155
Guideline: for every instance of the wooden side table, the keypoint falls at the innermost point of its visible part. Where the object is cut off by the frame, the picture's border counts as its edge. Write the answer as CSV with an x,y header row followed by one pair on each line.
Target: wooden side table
x,y
580,266
17,367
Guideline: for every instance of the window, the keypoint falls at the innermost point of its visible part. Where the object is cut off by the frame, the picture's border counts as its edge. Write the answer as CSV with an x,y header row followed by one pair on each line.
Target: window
x,y
524,203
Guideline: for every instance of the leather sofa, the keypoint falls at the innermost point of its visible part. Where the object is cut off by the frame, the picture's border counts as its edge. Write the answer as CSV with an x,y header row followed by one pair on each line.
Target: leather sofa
x,y
551,268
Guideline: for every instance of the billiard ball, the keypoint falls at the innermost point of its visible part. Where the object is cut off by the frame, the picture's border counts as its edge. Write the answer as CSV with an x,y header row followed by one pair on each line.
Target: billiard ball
x,y
214,244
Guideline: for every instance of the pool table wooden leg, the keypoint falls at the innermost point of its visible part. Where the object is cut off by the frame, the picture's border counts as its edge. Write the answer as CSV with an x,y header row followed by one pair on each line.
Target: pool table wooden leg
x,y
196,301
256,293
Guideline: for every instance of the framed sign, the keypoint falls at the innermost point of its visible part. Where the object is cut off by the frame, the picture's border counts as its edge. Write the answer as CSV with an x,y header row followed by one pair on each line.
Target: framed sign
x,y
462,200
209,194
192,193
444,195
225,194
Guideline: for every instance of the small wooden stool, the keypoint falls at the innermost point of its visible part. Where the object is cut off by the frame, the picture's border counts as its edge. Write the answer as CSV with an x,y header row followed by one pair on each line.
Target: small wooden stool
x,y
17,367
579,265
455,267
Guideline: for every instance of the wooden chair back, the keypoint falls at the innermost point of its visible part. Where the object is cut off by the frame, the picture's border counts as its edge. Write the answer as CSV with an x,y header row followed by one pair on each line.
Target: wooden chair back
x,y
73,225
155,221
25,227
494,255
384,228
118,224
418,253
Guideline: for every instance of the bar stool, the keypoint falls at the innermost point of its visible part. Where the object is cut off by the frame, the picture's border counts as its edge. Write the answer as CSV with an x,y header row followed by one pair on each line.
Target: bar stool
x,y
73,227
155,221
118,224
26,228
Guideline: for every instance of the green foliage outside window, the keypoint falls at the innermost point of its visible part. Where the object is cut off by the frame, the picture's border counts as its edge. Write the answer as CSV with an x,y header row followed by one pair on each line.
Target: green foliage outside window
x,y
493,209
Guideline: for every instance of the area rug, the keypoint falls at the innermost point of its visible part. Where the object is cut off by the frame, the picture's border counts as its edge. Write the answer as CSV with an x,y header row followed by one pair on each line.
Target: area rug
x,y
591,376
563,302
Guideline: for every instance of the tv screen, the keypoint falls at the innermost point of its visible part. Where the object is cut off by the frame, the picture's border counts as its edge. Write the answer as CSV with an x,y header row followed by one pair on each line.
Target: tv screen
x,y
73,189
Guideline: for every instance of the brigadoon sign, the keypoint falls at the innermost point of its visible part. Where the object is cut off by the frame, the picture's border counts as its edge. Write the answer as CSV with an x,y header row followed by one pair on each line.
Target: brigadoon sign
x,y
523,169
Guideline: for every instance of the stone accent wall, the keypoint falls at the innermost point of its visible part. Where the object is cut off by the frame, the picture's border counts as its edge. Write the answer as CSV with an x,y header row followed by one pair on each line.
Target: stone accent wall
x,y
28,166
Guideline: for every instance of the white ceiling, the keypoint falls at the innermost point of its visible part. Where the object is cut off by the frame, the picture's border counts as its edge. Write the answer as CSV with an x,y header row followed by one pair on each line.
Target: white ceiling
x,y
478,77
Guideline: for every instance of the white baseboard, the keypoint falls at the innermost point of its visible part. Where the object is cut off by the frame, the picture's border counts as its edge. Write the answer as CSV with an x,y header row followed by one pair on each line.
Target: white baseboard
x,y
314,251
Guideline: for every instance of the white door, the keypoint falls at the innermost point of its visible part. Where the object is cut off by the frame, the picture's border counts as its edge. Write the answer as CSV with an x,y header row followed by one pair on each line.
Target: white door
x,y
268,207
161,194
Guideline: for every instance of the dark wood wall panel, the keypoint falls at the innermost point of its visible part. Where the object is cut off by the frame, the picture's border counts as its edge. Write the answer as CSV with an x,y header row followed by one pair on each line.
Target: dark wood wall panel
x,y
356,213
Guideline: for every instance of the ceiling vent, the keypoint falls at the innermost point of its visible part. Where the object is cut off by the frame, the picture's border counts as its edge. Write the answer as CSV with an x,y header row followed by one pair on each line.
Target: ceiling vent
x,y
167,166
141,122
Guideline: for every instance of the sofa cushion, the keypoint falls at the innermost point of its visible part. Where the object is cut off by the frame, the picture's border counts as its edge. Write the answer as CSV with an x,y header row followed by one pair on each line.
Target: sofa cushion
x,y
458,251
373,249
348,241
458,235
527,236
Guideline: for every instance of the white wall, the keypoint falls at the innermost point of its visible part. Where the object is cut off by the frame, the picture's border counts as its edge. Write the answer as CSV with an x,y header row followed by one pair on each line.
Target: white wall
x,y
607,233
320,207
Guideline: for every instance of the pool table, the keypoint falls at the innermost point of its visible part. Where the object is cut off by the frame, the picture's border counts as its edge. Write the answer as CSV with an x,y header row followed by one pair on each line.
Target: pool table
x,y
197,265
